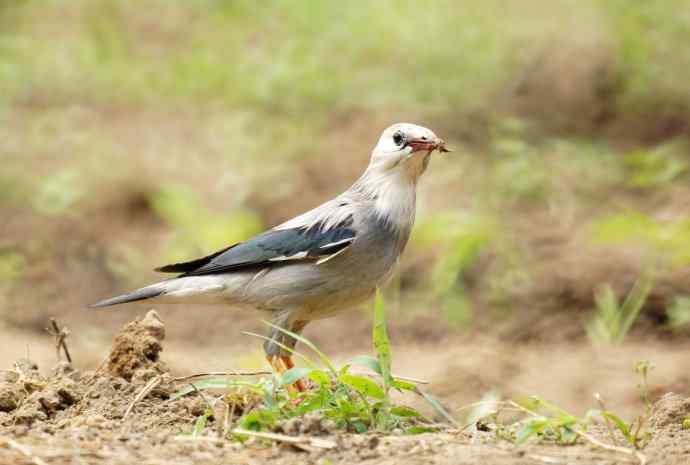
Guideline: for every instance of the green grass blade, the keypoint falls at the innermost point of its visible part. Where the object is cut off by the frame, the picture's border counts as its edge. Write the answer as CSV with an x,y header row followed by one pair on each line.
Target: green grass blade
x,y
530,428
363,385
367,362
324,359
420,429
404,385
212,383
306,359
405,412
620,424
294,374
382,343
552,408
437,406
633,304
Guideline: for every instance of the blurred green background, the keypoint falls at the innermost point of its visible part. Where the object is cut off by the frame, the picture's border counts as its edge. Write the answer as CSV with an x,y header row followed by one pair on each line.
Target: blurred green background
x,y
136,133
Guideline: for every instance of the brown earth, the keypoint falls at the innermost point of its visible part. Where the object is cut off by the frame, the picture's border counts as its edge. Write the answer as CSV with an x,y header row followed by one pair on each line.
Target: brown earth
x,y
69,416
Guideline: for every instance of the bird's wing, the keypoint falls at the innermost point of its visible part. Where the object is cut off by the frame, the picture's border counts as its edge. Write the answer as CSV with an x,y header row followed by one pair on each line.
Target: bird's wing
x,y
274,246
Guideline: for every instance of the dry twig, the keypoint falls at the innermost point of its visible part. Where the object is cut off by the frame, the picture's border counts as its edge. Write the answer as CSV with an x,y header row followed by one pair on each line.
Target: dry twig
x,y
292,440
142,393
223,373
624,450
401,378
60,335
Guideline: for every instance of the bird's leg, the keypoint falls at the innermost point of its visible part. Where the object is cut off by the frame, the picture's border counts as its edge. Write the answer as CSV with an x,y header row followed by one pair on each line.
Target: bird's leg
x,y
287,361
280,358
302,385
277,363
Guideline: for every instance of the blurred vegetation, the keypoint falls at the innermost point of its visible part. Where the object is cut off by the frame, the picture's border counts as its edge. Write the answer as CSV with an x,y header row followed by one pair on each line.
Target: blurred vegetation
x,y
570,122
303,57
667,239
679,313
198,230
612,320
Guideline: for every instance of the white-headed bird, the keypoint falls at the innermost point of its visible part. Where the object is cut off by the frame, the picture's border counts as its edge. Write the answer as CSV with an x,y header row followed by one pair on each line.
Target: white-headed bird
x,y
315,265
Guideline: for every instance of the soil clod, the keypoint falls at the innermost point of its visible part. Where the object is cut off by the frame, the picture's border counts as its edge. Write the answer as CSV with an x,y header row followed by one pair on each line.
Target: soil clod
x,y
670,410
137,346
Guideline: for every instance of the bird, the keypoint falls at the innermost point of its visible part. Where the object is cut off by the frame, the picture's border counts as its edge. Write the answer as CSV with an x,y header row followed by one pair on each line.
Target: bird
x,y
329,259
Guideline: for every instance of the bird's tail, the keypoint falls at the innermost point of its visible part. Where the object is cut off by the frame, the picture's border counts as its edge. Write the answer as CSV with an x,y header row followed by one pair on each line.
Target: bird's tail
x,y
189,289
144,293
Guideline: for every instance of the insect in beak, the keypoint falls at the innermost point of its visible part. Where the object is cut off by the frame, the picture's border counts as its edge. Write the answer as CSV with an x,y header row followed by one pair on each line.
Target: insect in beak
x,y
428,145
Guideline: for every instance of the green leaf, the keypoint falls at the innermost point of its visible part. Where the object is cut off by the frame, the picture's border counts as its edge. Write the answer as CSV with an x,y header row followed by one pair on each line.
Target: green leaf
x,y
367,362
568,435
405,411
363,385
420,429
311,403
321,378
381,342
200,423
404,385
344,369
258,420
620,424
553,409
359,426
530,428
437,406
294,374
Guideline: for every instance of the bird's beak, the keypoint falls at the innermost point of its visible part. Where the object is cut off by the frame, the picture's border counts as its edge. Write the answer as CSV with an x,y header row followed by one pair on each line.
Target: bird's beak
x,y
428,145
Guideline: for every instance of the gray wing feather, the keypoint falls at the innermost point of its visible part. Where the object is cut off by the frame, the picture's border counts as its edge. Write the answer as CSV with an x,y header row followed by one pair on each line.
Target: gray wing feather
x,y
276,245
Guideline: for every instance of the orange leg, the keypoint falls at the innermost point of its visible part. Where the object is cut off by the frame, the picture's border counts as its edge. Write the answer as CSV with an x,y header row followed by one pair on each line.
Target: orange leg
x,y
301,384
287,361
283,363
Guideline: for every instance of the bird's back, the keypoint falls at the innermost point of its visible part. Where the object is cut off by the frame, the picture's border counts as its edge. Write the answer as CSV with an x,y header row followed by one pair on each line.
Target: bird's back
x,y
316,289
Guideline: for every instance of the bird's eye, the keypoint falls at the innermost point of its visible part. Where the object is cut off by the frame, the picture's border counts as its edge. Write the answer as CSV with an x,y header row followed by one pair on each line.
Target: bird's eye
x,y
398,138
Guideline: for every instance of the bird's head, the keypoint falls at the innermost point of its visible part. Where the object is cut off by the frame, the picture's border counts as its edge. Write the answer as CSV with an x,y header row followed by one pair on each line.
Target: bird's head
x,y
405,148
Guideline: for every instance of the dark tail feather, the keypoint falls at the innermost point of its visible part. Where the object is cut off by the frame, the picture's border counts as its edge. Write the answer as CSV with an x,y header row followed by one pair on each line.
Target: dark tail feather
x,y
186,267
139,294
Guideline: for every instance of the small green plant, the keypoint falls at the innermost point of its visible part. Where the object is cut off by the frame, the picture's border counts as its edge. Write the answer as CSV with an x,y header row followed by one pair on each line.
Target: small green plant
x,y
678,313
642,368
546,421
635,433
612,319
351,401
536,418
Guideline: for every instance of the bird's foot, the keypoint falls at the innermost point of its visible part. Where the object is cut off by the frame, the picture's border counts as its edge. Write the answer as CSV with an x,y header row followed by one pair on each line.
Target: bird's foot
x,y
283,363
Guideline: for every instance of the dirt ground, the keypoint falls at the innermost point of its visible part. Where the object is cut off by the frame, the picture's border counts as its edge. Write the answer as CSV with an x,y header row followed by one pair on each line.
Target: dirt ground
x,y
65,415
